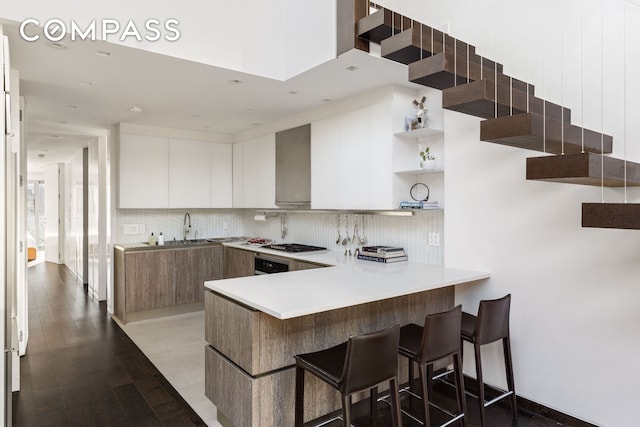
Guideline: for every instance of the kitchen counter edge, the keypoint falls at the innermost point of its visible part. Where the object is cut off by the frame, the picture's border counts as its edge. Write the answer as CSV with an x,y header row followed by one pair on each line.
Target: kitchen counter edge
x,y
345,282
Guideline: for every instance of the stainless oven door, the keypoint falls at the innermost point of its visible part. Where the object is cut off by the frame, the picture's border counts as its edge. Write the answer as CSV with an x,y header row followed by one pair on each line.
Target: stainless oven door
x,y
266,265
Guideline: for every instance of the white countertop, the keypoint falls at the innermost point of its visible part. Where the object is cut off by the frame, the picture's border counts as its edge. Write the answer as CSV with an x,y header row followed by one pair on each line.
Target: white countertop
x,y
346,282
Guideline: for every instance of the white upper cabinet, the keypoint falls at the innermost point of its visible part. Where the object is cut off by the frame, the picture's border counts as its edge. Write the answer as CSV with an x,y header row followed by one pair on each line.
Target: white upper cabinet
x,y
221,176
324,163
189,174
157,172
254,173
351,160
144,172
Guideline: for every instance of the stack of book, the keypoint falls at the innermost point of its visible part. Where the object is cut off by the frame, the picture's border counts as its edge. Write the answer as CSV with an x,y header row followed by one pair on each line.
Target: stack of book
x,y
418,204
386,254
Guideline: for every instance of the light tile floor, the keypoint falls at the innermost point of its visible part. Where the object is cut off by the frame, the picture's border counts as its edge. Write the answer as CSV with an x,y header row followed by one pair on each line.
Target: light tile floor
x,y
175,345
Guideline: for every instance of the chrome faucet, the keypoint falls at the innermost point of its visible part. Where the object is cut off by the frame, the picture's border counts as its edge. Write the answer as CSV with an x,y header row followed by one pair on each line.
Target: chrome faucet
x,y
186,228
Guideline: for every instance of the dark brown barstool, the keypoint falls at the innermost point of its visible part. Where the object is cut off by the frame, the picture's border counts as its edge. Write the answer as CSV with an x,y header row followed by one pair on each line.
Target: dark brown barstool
x,y
361,363
491,324
439,338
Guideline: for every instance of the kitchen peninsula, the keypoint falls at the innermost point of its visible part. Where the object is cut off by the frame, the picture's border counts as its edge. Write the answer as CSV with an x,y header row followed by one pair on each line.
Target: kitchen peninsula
x,y
255,325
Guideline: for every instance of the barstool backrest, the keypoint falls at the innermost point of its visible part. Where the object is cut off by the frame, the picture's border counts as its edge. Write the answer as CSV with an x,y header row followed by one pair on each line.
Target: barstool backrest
x,y
441,335
493,320
371,359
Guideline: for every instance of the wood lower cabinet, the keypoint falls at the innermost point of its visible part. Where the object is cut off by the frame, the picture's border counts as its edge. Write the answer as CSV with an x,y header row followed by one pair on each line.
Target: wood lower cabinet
x,y
149,283
249,363
238,263
149,280
194,267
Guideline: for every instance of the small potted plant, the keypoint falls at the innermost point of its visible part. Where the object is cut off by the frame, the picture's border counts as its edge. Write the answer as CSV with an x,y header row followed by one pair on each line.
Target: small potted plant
x,y
427,160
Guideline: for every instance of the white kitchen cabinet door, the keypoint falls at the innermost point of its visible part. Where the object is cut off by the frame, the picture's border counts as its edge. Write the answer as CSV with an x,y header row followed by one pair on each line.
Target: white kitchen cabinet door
x,y
254,173
144,172
351,160
325,184
238,175
221,176
189,174
380,165
354,154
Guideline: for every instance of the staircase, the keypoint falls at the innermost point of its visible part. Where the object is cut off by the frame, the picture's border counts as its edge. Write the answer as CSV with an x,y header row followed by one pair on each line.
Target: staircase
x,y
512,114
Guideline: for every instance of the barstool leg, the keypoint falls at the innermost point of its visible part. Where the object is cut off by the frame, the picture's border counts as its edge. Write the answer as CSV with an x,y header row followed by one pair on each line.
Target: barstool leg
x,y
425,393
457,372
411,374
476,348
299,408
396,420
508,365
346,410
373,403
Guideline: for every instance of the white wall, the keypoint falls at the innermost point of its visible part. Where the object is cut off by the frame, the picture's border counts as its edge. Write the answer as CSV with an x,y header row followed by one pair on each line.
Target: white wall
x,y
73,214
275,39
3,258
574,313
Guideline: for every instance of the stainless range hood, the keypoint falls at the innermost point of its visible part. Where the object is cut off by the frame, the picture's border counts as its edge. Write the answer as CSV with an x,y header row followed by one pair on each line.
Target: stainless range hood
x,y
293,168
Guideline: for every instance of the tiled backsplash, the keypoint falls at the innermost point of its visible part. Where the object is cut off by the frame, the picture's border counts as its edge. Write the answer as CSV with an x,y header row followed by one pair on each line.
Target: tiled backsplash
x,y
208,223
313,228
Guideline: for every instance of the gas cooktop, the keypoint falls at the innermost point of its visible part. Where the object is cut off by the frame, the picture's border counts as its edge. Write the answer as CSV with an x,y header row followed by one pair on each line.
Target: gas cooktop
x,y
293,247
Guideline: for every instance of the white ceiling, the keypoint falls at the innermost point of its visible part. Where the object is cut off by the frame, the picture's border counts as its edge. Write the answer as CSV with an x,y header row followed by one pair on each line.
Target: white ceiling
x,y
75,93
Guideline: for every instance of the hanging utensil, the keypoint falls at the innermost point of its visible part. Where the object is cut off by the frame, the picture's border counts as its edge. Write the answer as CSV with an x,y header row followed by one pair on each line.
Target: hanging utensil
x,y
355,237
346,227
363,240
338,229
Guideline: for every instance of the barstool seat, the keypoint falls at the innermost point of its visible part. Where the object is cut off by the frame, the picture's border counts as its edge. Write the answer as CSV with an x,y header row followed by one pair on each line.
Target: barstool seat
x,y
490,325
439,338
361,363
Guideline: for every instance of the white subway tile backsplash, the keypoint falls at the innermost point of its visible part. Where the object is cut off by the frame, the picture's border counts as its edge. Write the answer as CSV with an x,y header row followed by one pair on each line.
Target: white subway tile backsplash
x,y
313,228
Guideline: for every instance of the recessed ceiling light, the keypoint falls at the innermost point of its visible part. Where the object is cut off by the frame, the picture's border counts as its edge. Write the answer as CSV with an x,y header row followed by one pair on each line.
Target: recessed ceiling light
x,y
135,109
195,116
255,124
250,109
53,136
44,150
103,53
207,127
351,68
41,155
71,106
235,81
293,92
62,122
57,45
326,100
86,84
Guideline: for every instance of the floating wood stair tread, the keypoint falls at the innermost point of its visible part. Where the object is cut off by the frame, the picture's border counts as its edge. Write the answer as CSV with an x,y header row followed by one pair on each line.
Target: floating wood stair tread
x,y
436,72
624,216
380,25
443,71
532,131
420,42
478,99
408,46
585,169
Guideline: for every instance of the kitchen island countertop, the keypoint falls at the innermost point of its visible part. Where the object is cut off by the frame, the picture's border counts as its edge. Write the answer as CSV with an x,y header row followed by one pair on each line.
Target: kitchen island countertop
x,y
344,282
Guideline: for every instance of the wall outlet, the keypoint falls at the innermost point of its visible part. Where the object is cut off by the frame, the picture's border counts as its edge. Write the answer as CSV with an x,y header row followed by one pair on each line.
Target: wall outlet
x,y
128,229
434,239
225,225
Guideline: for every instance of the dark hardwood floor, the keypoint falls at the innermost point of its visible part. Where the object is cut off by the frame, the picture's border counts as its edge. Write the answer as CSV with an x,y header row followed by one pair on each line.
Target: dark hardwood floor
x,y
82,370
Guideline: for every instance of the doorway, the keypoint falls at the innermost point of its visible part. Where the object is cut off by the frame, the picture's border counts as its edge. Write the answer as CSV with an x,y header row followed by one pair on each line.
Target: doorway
x,y
35,214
